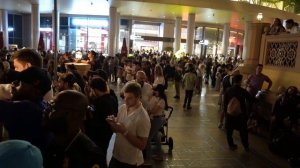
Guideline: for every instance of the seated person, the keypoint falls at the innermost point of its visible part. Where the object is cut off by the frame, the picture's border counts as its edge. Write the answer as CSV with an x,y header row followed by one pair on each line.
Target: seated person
x,y
286,111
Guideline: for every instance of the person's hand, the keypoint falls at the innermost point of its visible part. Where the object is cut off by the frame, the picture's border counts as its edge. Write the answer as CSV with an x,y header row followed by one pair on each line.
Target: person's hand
x,y
115,125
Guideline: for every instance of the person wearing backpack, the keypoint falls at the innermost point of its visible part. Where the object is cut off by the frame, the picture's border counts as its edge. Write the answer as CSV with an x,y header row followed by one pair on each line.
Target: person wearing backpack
x,y
236,113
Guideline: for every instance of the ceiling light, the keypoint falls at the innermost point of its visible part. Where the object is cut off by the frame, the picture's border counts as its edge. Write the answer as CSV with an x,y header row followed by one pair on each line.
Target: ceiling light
x,y
259,16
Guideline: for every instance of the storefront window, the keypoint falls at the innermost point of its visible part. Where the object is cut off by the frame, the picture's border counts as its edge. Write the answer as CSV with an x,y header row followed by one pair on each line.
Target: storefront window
x,y
139,30
88,34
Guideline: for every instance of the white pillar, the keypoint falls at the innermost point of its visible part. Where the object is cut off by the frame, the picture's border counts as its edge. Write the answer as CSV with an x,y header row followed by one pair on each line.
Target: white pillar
x,y
55,34
246,39
4,29
225,39
112,31
35,25
168,34
118,33
177,35
190,34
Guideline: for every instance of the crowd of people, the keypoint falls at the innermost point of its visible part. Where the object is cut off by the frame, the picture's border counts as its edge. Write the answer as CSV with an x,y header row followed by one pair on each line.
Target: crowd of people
x,y
71,118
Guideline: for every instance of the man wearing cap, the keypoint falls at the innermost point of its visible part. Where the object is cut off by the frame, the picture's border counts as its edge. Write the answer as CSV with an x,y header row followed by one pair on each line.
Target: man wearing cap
x,y
22,117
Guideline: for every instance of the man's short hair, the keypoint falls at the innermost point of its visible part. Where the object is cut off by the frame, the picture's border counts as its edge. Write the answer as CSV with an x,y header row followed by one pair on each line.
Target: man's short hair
x,y
29,56
133,88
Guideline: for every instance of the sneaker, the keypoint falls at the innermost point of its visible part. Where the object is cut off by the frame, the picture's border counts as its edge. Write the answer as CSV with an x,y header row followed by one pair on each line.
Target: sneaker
x,y
233,147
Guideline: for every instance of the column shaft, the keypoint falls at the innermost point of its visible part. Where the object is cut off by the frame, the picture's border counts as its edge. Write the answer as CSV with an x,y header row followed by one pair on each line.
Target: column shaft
x,y
35,25
177,34
117,33
112,31
225,39
190,34
4,23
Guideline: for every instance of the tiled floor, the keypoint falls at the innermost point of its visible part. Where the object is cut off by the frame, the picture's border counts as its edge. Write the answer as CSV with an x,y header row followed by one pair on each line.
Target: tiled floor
x,y
198,143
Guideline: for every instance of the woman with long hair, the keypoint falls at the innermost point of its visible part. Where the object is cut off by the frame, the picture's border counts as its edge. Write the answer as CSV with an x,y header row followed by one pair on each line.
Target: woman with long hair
x,y
158,103
159,78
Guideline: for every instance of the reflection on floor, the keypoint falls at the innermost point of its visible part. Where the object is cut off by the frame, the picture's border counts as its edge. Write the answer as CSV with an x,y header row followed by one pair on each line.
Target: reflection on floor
x,y
198,143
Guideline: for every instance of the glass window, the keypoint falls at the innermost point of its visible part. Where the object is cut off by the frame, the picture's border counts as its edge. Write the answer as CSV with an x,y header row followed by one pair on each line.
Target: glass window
x,y
15,29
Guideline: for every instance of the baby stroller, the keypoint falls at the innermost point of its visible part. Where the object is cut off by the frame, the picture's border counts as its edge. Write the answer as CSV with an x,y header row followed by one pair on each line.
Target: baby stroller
x,y
165,140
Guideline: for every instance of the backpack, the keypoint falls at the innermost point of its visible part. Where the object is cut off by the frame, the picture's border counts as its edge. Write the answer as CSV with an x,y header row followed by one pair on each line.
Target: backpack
x,y
234,107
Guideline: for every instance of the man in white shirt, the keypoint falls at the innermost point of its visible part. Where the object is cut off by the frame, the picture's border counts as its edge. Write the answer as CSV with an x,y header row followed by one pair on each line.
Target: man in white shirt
x,y
146,88
132,126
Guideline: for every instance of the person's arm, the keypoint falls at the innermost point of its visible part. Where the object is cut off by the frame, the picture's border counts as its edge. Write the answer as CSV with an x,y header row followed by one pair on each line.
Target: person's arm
x,y
269,82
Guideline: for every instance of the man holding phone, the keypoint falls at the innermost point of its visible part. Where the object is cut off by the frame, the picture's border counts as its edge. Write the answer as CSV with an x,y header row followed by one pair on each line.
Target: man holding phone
x,y
132,126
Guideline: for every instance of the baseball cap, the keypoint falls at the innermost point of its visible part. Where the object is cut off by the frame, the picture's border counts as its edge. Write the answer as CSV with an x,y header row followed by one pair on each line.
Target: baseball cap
x,y
19,153
37,77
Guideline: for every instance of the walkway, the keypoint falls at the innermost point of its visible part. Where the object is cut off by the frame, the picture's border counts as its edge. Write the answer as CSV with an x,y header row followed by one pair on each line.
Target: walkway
x,y
198,143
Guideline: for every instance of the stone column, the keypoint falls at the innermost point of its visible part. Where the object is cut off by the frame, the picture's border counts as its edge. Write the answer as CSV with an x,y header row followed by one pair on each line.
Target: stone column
x,y
55,34
112,31
168,32
225,39
4,29
190,34
177,35
35,25
252,45
118,33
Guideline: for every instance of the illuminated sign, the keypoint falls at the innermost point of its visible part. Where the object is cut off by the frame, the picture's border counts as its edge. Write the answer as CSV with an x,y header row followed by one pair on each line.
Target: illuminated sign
x,y
90,22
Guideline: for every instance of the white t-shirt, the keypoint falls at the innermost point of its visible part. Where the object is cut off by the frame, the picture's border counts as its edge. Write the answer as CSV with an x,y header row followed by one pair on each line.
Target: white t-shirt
x,y
137,124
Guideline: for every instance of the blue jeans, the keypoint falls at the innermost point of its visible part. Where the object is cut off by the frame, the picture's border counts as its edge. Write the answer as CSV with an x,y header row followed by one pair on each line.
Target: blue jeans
x,y
156,124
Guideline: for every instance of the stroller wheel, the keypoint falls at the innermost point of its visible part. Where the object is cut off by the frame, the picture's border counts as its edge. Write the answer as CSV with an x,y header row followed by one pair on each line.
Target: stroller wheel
x,y
170,143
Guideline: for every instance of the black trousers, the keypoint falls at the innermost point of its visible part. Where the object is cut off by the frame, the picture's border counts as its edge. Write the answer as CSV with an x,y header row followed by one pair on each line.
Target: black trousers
x,y
188,98
240,124
114,163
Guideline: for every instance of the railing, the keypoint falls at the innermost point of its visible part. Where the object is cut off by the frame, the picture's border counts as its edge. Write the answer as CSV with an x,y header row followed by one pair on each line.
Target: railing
x,y
281,52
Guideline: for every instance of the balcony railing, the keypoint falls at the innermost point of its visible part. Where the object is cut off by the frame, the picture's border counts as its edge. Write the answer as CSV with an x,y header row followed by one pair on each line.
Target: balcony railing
x,y
281,52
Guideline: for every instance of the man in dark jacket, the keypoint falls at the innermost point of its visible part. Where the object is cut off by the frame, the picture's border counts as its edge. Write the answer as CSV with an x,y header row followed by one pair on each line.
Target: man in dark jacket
x,y
239,121
22,117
